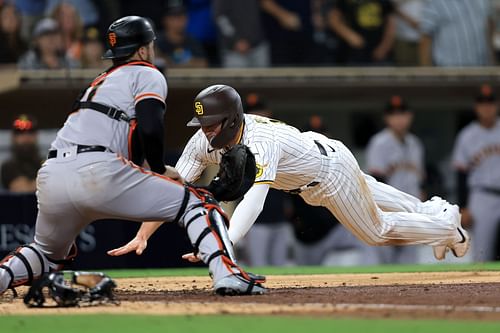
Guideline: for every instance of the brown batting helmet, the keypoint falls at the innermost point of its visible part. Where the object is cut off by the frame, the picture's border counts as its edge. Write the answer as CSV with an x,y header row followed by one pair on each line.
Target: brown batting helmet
x,y
218,104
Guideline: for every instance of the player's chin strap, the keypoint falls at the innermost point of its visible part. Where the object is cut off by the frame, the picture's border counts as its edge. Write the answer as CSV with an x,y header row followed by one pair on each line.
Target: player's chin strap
x,y
217,222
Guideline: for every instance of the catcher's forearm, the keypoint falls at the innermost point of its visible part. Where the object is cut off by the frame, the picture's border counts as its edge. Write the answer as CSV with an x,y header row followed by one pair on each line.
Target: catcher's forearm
x,y
247,211
148,228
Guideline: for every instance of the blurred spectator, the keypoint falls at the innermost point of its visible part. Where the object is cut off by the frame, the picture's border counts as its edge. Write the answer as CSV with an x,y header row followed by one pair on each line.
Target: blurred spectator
x,y
317,232
268,241
175,46
366,28
456,33
71,27
12,46
86,10
476,158
396,157
18,173
496,30
151,9
92,50
408,17
289,28
201,25
31,12
47,51
241,35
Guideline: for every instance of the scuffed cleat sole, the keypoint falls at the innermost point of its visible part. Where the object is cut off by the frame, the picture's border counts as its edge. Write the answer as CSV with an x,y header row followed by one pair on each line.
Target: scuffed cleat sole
x,y
460,249
440,251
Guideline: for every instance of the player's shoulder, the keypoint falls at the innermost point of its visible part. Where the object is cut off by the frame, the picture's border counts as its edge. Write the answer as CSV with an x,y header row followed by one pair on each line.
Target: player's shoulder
x,y
471,129
382,138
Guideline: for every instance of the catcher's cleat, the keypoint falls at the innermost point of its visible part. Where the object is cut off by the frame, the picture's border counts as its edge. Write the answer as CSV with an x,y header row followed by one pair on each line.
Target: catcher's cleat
x,y
234,285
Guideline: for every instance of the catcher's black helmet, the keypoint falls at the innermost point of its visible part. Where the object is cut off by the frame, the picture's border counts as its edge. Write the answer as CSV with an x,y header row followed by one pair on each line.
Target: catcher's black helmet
x,y
126,35
219,104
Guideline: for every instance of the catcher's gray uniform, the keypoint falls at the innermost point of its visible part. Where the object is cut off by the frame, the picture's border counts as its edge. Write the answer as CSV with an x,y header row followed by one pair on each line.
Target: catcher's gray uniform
x,y
401,164
88,177
477,151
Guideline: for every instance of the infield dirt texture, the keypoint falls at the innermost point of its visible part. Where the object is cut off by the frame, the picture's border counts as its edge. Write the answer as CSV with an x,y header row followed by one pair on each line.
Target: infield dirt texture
x,y
470,295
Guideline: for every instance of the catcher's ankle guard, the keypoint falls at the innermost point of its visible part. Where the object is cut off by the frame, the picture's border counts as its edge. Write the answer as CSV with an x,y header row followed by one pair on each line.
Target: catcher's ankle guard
x,y
82,288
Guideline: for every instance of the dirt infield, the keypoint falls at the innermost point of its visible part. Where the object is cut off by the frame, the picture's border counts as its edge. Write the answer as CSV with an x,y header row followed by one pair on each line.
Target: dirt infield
x,y
460,295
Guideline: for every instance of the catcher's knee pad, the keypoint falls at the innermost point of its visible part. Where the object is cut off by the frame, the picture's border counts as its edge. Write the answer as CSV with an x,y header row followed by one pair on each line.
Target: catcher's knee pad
x,y
206,225
22,266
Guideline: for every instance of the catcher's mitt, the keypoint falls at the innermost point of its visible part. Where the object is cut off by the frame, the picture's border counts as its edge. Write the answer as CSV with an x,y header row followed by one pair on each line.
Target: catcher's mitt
x,y
236,174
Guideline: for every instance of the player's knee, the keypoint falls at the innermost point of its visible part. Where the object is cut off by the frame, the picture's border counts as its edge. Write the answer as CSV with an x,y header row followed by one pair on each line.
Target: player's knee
x,y
22,266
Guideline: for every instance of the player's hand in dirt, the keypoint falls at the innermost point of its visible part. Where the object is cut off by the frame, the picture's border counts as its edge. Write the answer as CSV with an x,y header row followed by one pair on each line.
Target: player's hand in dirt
x,y
191,257
138,244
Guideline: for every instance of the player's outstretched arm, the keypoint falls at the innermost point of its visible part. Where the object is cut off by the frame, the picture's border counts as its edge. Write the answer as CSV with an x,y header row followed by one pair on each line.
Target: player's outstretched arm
x,y
247,211
140,241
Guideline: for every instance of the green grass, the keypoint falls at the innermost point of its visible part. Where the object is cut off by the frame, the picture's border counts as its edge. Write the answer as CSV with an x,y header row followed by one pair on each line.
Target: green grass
x,y
294,270
231,324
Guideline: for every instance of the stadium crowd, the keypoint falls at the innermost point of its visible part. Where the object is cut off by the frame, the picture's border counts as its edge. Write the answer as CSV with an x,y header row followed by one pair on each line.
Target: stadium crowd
x,y
51,34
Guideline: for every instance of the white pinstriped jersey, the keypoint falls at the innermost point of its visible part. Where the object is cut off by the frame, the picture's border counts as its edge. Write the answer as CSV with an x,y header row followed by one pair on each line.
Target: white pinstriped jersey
x,y
121,88
286,158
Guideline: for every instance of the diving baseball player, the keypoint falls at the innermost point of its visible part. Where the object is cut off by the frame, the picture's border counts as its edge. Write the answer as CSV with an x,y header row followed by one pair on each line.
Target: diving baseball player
x,y
476,157
321,170
90,175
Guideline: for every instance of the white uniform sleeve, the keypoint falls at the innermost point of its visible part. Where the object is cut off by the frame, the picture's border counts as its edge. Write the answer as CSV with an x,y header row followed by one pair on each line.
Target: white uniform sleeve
x,y
376,157
150,83
459,157
247,211
266,158
190,165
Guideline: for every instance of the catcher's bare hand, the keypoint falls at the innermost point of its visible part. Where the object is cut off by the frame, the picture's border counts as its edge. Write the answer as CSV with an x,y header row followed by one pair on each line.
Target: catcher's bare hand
x,y
137,244
191,257
172,173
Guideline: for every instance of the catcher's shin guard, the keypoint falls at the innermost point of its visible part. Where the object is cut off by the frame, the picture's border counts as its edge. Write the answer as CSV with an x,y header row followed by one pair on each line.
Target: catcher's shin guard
x,y
22,266
206,225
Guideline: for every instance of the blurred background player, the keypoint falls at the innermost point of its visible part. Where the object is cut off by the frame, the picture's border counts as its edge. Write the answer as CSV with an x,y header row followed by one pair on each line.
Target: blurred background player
x,y
396,157
476,158
18,173
270,239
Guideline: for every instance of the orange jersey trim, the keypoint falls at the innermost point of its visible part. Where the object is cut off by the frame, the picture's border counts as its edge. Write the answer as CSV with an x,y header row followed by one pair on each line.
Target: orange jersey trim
x,y
149,94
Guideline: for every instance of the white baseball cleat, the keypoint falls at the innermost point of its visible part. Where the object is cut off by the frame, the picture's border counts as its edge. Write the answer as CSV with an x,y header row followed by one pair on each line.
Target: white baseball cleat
x,y
434,206
440,251
459,248
236,284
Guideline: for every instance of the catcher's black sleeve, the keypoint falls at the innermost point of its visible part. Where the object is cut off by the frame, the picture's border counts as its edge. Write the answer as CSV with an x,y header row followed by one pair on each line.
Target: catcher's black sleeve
x,y
462,188
150,113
